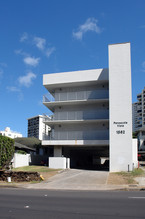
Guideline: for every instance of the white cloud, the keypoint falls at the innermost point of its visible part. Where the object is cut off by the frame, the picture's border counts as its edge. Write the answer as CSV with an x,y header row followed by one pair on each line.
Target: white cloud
x,y
39,43
28,60
16,90
32,61
26,80
21,52
49,51
91,24
13,89
24,37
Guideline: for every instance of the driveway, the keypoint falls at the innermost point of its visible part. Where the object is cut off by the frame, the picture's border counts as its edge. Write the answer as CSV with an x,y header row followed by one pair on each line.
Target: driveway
x,y
74,179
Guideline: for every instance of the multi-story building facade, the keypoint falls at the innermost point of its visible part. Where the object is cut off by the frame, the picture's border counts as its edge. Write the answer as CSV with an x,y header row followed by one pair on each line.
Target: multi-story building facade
x,y
139,118
139,111
11,134
89,118
81,116
36,127
134,116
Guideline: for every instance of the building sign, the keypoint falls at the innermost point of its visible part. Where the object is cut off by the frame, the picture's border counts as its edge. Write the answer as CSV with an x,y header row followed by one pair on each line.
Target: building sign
x,y
120,127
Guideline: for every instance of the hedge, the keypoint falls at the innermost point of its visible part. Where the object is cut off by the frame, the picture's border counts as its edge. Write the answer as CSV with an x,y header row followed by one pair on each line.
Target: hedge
x,y
6,151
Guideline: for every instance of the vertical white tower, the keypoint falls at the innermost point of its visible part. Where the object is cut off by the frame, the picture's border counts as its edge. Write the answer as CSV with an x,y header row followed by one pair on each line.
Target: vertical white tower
x,y
120,105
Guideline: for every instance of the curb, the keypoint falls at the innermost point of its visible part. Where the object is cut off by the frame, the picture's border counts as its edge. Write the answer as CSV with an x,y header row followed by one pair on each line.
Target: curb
x,y
105,188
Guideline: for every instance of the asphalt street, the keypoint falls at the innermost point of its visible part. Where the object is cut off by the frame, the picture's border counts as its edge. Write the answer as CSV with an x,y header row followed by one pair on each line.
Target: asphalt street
x,y
22,203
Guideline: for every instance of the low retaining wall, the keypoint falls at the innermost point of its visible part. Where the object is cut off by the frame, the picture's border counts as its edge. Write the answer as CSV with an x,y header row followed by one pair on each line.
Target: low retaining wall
x,y
19,176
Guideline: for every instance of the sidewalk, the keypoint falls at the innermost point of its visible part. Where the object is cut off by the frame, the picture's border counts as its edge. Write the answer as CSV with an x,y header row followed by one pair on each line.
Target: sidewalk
x,y
79,180
78,188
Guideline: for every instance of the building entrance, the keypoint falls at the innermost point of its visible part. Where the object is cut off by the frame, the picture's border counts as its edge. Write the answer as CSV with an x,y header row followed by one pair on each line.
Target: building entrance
x,y
89,158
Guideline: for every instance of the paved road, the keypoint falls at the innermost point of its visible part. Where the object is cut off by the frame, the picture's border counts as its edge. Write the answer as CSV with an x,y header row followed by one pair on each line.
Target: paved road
x,y
25,204
75,179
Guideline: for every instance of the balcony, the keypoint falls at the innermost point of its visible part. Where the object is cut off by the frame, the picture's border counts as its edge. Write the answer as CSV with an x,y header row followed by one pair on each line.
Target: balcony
x,y
139,96
139,111
78,117
78,95
78,135
75,98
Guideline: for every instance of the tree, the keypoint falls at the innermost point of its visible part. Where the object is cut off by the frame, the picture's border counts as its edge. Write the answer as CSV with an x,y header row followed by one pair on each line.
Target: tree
x,y
30,142
134,134
6,151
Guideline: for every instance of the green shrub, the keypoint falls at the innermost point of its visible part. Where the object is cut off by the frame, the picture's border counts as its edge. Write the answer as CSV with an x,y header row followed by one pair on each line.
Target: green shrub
x,y
137,172
6,151
21,152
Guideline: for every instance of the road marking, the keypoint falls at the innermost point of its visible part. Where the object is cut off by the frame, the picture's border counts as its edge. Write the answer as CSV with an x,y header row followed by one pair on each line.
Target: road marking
x,y
26,206
137,197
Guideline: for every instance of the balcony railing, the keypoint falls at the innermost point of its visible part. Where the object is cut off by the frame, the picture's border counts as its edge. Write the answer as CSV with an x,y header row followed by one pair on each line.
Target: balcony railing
x,y
78,95
48,98
78,135
79,115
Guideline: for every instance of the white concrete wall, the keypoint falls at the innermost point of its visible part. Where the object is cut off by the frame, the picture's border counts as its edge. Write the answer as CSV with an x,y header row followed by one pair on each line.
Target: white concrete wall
x,y
74,76
120,106
76,142
59,162
41,128
134,153
21,160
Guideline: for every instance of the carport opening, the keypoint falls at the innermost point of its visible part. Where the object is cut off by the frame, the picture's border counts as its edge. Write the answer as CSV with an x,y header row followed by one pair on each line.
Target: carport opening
x,y
88,158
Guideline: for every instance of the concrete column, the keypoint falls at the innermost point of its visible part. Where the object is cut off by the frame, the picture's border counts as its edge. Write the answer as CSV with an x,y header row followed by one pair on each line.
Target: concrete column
x,y
120,107
68,163
135,153
141,143
57,151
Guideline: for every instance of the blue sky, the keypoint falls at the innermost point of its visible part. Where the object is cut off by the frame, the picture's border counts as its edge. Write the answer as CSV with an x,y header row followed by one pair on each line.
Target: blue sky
x,y
44,36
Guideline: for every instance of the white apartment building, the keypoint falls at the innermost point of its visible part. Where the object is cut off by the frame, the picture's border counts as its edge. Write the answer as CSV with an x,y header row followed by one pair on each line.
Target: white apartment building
x,y
36,127
11,134
92,114
139,119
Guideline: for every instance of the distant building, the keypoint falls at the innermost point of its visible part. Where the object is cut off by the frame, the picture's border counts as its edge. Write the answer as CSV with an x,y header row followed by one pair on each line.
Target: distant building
x,y
139,118
139,111
11,134
134,116
141,139
36,127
